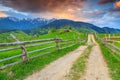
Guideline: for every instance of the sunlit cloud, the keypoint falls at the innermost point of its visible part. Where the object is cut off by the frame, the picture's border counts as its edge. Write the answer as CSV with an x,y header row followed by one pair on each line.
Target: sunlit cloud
x,y
2,14
117,4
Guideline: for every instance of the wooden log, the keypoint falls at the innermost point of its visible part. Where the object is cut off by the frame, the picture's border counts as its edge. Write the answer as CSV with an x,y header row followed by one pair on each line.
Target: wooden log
x,y
9,49
24,51
24,54
8,65
40,49
9,58
39,44
40,55
25,42
68,46
57,44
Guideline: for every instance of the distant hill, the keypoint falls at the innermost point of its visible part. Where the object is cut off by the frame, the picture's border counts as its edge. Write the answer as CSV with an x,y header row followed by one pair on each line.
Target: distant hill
x,y
12,23
41,25
81,26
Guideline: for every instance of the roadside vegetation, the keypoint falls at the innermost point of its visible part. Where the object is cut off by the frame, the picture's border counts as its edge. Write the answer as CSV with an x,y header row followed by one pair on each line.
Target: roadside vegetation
x,y
113,61
78,68
20,71
116,38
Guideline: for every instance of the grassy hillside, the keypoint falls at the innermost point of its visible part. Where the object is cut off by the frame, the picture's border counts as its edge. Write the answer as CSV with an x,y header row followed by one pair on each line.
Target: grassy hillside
x,y
81,26
16,72
5,37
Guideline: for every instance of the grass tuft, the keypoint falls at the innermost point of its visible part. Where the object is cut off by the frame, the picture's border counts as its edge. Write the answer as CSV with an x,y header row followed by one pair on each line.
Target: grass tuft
x,y
113,62
78,68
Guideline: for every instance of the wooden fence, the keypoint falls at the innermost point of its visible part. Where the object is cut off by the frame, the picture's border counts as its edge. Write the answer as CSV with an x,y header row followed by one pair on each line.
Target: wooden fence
x,y
24,45
110,46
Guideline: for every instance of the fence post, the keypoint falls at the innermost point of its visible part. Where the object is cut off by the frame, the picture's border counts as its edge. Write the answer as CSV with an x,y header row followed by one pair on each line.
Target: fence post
x,y
57,44
66,37
24,51
24,54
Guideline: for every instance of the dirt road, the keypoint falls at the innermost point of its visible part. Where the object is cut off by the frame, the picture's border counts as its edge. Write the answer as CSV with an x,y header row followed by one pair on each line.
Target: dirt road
x,y
96,67
59,68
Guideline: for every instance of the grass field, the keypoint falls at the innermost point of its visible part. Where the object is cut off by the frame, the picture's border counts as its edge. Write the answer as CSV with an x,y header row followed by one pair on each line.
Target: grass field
x,y
16,72
117,40
113,62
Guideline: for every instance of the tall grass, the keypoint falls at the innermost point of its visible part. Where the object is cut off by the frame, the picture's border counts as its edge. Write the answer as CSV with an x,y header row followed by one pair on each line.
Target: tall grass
x,y
113,62
20,71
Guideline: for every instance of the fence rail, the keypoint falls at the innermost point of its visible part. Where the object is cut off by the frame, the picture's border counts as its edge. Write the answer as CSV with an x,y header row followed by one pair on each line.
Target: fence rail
x,y
111,46
59,43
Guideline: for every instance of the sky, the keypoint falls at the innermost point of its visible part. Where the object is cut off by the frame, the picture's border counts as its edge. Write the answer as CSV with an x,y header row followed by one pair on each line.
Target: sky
x,y
102,13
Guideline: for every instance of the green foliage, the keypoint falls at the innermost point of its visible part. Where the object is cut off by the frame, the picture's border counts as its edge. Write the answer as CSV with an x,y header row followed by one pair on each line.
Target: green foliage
x,y
5,37
33,65
113,62
117,40
52,30
16,72
69,27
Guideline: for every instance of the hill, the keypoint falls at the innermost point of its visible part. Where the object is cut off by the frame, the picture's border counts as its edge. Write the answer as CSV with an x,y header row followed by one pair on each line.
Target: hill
x,y
41,25
12,23
81,26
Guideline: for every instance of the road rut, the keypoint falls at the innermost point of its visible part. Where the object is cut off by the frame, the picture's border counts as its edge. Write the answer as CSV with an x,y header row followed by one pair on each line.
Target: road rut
x,y
59,68
96,67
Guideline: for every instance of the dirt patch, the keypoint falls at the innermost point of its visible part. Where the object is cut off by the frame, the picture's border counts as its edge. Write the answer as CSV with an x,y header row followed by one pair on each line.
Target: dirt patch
x,y
96,68
59,68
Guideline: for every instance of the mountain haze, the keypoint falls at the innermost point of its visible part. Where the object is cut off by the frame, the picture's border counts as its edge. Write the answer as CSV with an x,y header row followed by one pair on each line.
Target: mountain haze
x,y
41,25
81,26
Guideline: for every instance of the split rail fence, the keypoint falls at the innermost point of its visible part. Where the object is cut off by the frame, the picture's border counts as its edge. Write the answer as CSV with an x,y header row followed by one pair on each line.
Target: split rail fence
x,y
59,43
110,46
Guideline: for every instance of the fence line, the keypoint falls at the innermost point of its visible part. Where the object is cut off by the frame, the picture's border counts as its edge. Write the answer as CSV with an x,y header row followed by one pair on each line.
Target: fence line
x,y
112,47
59,43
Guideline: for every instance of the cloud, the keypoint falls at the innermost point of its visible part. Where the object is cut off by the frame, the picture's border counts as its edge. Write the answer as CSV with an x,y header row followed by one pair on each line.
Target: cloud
x,y
117,4
2,14
105,1
42,5
94,14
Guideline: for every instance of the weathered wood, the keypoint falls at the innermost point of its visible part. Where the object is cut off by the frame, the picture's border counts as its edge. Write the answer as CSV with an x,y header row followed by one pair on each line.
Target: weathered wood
x,y
68,46
62,44
24,51
39,44
9,58
24,54
9,49
40,49
40,55
110,46
26,42
58,43
8,65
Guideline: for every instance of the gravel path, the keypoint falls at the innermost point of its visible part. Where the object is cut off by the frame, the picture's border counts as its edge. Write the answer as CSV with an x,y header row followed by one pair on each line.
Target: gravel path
x,y
96,68
59,68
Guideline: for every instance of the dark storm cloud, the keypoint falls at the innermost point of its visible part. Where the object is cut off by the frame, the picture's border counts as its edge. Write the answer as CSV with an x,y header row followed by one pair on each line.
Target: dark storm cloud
x,y
41,5
106,1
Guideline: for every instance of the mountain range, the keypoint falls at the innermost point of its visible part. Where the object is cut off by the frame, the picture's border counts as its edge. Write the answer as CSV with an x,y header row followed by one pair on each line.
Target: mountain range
x,y
37,25
12,23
